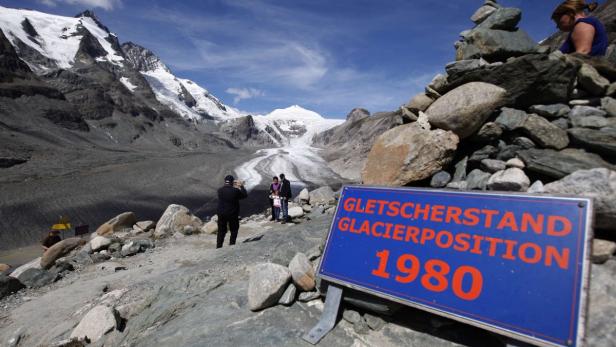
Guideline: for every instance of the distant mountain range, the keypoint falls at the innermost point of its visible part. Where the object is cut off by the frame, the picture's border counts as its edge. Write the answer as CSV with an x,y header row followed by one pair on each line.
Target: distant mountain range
x,y
107,84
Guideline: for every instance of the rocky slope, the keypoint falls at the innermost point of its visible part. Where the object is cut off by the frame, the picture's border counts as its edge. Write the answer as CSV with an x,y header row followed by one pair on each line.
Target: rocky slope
x,y
164,283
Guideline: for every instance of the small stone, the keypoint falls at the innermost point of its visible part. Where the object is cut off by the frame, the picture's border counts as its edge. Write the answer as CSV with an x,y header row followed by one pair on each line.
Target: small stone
x,y
562,123
145,225
594,122
307,208
512,179
602,251
295,212
609,105
590,79
460,173
120,222
110,267
438,83
351,316
419,102
309,296
361,327
524,142
482,13
210,227
460,185
515,162
536,188
579,102
302,272
9,285
96,323
374,322
586,111
488,132
304,196
4,269
99,243
440,179
493,165
611,90
550,111
477,179
131,248
288,297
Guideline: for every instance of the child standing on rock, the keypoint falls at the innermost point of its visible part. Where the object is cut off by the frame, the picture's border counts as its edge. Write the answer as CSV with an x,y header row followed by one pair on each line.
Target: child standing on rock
x,y
276,204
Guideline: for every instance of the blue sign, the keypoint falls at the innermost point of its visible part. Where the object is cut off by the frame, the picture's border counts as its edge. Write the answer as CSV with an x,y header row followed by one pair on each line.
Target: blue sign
x,y
514,264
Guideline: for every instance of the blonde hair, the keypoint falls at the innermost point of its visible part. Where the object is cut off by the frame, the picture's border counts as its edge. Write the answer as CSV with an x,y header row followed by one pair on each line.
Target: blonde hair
x,y
573,7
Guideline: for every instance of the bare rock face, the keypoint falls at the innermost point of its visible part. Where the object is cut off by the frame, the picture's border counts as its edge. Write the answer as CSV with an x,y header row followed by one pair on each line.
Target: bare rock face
x,y
266,285
599,184
96,323
465,109
60,249
409,153
174,219
122,221
302,272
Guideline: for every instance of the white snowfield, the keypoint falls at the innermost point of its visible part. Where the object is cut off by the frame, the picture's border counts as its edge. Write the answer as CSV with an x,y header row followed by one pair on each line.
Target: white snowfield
x,y
57,38
296,158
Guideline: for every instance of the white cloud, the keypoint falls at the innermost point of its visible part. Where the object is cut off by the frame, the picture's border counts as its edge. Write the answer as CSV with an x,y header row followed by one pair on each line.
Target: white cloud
x,y
104,4
244,93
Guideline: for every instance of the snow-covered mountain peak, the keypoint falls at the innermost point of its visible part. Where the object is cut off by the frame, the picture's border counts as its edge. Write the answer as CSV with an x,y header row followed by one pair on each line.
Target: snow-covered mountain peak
x,y
295,112
46,41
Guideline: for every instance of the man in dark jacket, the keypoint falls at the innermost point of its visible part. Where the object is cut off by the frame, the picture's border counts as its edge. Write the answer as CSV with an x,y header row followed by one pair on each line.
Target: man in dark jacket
x,y
285,194
229,197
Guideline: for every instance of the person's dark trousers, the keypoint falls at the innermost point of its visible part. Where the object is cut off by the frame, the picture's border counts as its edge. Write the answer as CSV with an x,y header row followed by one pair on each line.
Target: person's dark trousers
x,y
234,226
284,208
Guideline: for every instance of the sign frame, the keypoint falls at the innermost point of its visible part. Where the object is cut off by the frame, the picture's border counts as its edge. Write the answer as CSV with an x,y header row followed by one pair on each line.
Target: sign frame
x,y
584,278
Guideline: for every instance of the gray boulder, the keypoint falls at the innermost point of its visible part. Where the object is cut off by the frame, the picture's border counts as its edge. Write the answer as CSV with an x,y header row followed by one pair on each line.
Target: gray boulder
x,y
174,219
266,285
477,179
539,129
493,165
60,249
594,122
488,132
558,164
419,102
512,179
536,188
611,90
482,13
120,222
322,195
96,323
486,152
504,18
302,272
99,243
409,153
9,285
599,184
609,106
562,123
304,196
599,141
440,179
550,111
494,45
34,264
465,109
533,79
288,297
36,278
590,79
462,66
438,83
515,162
602,251
296,212
586,111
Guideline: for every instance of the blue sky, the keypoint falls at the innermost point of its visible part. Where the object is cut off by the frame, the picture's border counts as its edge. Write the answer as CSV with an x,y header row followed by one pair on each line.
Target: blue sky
x,y
328,56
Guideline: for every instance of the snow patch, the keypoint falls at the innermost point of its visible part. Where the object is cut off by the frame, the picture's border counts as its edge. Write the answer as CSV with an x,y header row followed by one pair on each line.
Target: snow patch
x,y
126,82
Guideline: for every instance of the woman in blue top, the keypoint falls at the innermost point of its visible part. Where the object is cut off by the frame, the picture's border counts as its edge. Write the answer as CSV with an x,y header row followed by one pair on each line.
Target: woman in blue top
x,y
586,34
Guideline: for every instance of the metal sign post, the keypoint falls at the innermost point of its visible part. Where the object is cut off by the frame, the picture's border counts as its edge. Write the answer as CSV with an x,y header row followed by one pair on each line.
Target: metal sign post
x,y
328,318
514,264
